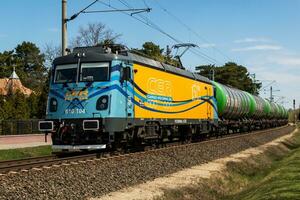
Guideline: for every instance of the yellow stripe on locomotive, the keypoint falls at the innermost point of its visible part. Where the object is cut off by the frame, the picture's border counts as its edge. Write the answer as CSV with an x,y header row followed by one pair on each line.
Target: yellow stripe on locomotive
x,y
171,96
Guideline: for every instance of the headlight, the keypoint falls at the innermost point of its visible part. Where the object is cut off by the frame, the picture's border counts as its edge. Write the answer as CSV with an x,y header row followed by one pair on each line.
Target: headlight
x,y
53,105
102,103
104,100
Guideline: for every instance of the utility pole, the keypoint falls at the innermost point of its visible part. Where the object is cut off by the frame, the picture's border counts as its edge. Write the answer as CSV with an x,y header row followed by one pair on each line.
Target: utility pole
x,y
64,36
254,81
271,94
65,20
212,70
294,106
298,114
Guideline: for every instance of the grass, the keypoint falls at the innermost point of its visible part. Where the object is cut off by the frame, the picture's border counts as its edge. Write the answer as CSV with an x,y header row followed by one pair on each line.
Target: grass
x,y
280,181
20,153
272,175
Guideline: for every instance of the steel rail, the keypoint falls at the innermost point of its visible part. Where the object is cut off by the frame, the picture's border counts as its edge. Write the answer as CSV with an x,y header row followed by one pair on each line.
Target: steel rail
x,y
35,162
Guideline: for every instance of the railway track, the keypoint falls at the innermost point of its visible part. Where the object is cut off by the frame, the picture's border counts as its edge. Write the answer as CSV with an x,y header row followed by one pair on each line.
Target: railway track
x,y
14,166
38,162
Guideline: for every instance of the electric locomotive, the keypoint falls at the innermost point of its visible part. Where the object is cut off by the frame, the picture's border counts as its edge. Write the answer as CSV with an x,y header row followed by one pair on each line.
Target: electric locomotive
x,y
110,97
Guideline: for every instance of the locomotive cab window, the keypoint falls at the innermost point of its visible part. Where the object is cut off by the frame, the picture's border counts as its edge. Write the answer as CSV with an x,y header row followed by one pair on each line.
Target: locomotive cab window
x,y
94,72
66,73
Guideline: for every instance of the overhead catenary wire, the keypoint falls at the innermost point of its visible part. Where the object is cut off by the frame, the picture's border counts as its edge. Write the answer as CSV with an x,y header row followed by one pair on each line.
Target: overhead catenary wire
x,y
147,22
116,10
151,24
82,11
194,51
190,29
133,16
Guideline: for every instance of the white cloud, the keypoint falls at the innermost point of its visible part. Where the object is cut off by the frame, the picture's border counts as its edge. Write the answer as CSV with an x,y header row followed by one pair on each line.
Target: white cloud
x,y
206,45
258,47
281,76
55,30
250,40
282,66
291,61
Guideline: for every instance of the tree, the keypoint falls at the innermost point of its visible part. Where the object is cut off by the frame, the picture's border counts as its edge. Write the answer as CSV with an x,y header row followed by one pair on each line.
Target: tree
x,y
2,107
51,52
154,51
29,64
30,57
42,99
231,74
94,34
22,110
14,107
32,102
206,70
6,109
7,61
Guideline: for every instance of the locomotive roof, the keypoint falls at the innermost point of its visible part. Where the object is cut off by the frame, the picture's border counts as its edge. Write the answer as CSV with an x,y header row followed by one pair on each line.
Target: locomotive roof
x,y
94,54
166,67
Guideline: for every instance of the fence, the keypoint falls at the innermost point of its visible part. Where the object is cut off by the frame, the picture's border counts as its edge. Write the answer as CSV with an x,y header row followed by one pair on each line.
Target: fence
x,y
18,127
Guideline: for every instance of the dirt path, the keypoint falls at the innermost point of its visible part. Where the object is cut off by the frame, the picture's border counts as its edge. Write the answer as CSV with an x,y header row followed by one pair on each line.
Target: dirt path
x,y
152,189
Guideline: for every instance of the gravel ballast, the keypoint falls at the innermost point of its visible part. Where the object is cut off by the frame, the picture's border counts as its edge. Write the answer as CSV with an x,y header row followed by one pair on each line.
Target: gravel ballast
x,y
93,179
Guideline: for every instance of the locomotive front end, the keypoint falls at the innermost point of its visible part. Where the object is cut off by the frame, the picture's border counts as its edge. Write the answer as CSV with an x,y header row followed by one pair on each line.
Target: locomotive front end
x,y
80,97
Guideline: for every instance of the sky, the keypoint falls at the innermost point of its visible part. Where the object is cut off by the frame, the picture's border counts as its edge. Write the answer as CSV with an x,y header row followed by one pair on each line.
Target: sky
x,y
263,35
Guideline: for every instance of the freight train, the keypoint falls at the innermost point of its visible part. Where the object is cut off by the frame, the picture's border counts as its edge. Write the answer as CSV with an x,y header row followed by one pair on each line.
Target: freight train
x,y
111,97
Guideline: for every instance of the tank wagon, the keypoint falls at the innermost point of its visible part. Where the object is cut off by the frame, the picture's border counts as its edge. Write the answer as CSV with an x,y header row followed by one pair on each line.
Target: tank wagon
x,y
240,110
110,97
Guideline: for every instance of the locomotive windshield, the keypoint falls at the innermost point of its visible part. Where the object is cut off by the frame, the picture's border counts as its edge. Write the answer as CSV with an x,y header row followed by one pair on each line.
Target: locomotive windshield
x,y
66,73
88,72
94,72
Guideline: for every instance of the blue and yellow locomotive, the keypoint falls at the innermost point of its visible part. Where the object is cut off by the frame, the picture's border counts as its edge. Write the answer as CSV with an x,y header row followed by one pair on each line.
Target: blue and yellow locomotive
x,y
110,97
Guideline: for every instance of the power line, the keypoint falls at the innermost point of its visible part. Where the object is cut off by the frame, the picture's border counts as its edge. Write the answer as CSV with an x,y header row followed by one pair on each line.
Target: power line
x,y
190,29
81,11
195,51
134,10
151,24
199,53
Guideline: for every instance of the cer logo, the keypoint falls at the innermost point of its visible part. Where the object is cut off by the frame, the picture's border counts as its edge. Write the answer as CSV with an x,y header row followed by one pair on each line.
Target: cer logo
x,y
195,91
159,87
